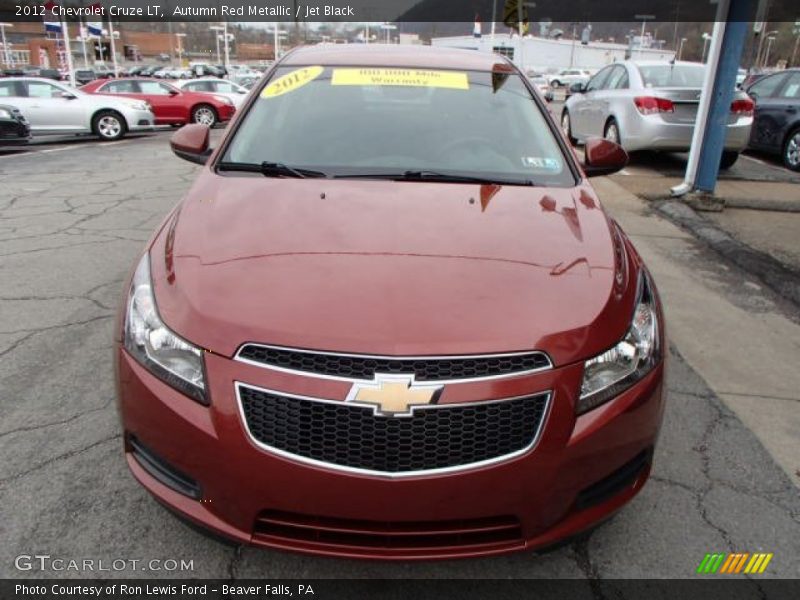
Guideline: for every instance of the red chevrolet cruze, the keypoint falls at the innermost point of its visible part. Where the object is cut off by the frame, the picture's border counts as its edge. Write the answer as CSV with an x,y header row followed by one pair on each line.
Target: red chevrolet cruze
x,y
391,319
170,105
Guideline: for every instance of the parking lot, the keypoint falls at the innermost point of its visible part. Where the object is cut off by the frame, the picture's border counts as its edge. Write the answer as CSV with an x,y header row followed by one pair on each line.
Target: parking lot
x,y
75,214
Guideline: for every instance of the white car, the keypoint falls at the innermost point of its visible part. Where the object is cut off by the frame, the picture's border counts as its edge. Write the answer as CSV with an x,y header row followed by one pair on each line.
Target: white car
x,y
566,77
213,85
53,108
543,86
238,73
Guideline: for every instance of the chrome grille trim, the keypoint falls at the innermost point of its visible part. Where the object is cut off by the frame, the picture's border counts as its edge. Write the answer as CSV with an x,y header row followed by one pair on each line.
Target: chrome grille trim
x,y
402,474
543,355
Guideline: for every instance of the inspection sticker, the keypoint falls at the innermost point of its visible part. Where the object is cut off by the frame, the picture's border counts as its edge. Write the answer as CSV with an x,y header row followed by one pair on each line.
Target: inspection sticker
x,y
291,81
402,77
545,163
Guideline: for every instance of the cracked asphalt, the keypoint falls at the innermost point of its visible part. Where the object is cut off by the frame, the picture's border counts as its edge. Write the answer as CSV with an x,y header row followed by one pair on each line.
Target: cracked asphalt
x,y
73,218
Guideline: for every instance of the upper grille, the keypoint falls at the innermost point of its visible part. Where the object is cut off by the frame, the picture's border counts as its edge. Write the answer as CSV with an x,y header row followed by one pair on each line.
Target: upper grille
x,y
351,436
362,366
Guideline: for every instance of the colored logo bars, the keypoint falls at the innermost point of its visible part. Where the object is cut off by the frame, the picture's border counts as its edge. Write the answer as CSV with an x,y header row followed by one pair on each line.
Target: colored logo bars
x,y
737,562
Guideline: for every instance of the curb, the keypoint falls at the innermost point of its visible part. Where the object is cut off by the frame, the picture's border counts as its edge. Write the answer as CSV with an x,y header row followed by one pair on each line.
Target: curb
x,y
766,204
780,278
770,204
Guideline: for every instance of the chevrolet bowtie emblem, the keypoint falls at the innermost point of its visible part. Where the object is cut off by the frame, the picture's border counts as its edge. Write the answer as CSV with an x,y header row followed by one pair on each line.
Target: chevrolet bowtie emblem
x,y
393,395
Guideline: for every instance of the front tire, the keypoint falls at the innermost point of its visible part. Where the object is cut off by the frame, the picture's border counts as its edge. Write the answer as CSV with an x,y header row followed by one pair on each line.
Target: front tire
x,y
109,125
791,150
204,114
566,127
555,83
729,157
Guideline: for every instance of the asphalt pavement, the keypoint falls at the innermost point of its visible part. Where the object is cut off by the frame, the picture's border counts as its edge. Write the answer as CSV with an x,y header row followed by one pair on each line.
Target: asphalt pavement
x,y
73,218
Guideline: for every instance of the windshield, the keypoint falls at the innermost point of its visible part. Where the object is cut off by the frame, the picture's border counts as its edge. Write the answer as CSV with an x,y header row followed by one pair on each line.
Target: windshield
x,y
686,76
345,121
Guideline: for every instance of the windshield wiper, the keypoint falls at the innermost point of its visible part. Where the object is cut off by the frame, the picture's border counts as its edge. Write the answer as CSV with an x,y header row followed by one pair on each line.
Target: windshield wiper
x,y
270,169
425,175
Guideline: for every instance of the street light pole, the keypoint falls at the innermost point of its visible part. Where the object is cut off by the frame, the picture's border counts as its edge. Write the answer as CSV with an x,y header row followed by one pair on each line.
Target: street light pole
x,y
769,46
706,39
680,48
113,48
216,29
227,52
180,37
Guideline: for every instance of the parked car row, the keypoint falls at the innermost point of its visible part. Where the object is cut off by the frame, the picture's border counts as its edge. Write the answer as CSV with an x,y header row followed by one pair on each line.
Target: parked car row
x,y
653,106
110,108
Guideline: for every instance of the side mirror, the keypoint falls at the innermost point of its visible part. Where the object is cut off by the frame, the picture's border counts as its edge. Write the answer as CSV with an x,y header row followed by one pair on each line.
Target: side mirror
x,y
190,143
577,88
174,92
66,96
603,157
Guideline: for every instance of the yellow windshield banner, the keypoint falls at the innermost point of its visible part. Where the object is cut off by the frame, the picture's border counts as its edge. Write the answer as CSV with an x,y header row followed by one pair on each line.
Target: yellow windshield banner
x,y
291,81
402,77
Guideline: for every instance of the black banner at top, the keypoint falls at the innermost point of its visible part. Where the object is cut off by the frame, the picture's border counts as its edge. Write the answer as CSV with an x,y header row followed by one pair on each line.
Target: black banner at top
x,y
398,11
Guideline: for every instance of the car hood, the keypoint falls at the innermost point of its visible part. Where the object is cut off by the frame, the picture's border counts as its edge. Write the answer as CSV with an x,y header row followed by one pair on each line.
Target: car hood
x,y
392,268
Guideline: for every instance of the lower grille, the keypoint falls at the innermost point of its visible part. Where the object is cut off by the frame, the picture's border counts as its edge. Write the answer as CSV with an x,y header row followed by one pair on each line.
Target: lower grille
x,y
162,470
282,527
351,437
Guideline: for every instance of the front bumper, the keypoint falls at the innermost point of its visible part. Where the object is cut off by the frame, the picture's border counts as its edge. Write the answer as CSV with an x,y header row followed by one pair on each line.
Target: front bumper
x,y
139,120
14,132
226,112
652,132
256,497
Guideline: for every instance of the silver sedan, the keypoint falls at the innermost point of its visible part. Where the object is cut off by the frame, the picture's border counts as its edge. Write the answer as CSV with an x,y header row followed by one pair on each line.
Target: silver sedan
x,y
650,106
53,108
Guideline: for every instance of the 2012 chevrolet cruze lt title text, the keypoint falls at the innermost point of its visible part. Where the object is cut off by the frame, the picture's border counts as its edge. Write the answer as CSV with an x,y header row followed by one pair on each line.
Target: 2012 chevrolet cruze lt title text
x,y
391,319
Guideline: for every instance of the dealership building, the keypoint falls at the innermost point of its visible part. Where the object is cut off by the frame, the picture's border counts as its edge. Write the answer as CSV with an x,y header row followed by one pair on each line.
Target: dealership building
x,y
547,54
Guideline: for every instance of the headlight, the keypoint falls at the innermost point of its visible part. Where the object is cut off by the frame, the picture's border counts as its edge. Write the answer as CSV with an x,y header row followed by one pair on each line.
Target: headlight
x,y
615,370
140,105
224,99
4,114
170,358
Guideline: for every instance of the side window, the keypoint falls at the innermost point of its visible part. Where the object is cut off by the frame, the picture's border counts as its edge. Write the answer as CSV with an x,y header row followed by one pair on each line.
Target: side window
x,y
8,89
766,87
119,87
596,82
154,88
618,80
223,87
39,89
791,88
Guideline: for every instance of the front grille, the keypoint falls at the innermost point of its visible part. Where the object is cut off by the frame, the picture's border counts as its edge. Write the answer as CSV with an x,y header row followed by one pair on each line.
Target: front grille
x,y
351,436
362,366
399,536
